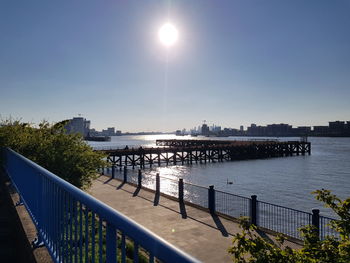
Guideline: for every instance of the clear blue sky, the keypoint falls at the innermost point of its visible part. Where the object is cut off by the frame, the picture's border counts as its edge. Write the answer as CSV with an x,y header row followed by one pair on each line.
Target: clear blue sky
x,y
236,62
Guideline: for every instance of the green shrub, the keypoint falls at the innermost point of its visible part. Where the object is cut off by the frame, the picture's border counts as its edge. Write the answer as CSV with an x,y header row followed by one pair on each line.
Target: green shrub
x,y
248,247
66,155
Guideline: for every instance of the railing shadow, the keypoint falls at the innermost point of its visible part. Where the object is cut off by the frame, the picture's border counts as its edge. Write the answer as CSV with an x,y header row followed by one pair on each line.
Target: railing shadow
x,y
120,185
219,224
137,190
263,235
156,199
106,182
183,210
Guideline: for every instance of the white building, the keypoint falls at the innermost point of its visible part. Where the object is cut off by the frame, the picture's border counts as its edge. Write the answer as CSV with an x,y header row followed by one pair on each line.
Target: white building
x,y
78,125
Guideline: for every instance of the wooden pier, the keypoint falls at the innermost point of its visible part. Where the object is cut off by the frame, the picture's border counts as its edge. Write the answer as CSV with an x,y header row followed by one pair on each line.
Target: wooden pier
x,y
180,152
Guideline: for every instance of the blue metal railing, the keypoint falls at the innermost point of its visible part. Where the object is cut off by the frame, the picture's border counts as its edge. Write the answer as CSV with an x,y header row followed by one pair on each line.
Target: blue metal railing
x,y
76,227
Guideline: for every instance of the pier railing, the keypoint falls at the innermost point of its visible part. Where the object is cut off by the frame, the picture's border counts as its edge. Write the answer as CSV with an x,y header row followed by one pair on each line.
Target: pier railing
x,y
269,216
75,227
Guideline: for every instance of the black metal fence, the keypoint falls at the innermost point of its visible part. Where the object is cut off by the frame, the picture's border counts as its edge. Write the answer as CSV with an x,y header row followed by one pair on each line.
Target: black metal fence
x,y
282,219
263,214
325,229
196,194
232,205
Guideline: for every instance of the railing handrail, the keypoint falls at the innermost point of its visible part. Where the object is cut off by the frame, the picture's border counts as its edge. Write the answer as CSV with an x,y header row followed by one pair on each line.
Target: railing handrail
x,y
327,217
158,246
244,197
284,207
170,179
196,185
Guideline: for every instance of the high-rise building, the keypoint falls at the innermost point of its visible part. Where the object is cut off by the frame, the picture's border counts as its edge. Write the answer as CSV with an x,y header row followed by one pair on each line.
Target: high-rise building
x,y
205,129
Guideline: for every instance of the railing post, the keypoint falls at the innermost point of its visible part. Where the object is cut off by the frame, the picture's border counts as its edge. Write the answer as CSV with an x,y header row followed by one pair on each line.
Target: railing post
x,y
181,190
113,171
253,214
125,175
157,183
211,199
316,220
111,243
139,179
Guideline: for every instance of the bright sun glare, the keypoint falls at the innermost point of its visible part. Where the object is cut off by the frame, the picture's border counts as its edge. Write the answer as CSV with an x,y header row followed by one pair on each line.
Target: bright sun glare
x,y
168,34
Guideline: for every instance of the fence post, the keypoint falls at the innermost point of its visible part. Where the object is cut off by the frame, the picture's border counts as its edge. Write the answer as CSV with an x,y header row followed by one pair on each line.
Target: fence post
x,y
125,175
211,199
253,214
157,183
181,190
139,179
113,171
316,220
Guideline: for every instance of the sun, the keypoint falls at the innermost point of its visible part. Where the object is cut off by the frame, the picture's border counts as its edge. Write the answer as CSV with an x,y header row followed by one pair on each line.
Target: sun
x,y
168,34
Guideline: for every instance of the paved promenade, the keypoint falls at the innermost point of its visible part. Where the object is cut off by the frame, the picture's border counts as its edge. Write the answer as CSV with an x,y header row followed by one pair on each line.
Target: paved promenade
x,y
195,231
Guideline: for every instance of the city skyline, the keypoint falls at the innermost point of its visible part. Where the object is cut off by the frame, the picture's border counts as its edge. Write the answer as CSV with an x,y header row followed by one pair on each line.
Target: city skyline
x,y
253,62
333,128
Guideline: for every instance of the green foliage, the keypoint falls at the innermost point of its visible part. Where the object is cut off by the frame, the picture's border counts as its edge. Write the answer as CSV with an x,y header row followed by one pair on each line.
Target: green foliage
x,y
80,223
66,155
249,247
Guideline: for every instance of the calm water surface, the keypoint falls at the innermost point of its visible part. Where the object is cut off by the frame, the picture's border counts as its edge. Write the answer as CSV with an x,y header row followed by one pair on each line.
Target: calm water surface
x,y
286,181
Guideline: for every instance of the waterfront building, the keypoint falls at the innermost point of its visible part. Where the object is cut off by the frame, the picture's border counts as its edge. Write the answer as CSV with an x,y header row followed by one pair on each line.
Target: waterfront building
x,y
301,131
78,125
108,132
336,128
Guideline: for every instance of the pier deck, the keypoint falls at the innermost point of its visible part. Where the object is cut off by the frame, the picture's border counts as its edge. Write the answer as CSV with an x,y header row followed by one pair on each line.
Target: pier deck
x,y
182,143
199,151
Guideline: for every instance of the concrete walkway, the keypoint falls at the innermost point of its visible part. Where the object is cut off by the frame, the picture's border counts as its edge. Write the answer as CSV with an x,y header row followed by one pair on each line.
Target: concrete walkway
x,y
194,231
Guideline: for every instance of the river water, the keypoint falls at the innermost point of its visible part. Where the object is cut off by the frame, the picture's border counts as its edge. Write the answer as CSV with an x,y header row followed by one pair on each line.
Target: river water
x,y
286,181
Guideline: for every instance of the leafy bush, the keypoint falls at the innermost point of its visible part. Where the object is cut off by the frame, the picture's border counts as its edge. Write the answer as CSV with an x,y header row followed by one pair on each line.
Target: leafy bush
x,y
66,155
248,247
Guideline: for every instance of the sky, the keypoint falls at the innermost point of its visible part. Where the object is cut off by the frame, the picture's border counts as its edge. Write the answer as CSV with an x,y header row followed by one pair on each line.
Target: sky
x,y
236,62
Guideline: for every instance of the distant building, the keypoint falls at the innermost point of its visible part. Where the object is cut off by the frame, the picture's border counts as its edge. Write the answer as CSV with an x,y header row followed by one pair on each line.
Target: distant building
x,y
279,129
108,132
93,132
229,132
321,130
205,130
216,129
301,131
336,128
78,125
